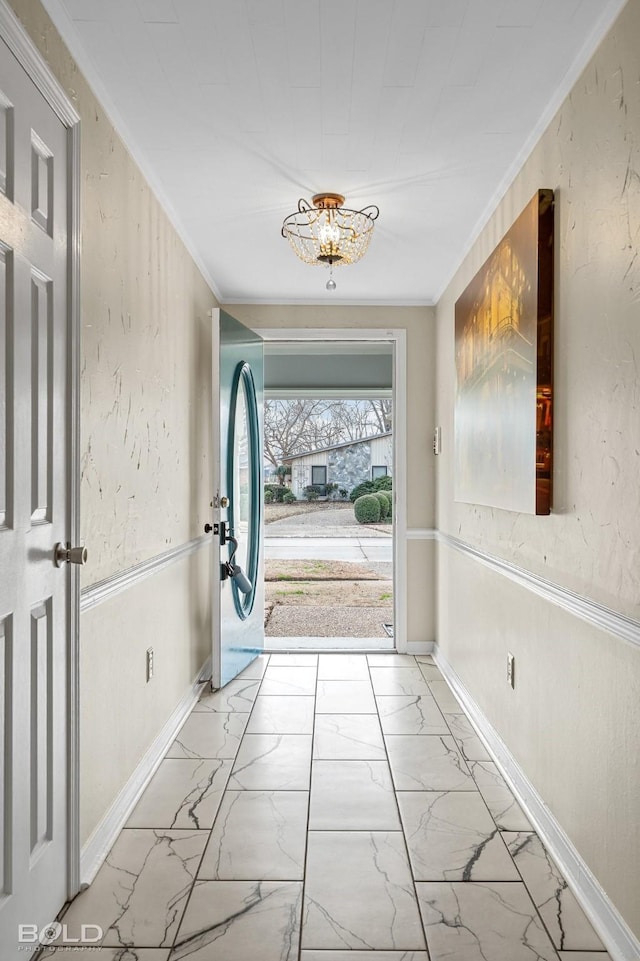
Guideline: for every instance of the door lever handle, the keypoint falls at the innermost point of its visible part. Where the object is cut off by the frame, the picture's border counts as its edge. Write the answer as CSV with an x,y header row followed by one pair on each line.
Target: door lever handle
x,y
235,573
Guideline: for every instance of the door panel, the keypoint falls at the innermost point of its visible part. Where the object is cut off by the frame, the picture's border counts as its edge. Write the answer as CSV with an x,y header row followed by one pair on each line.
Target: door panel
x,y
34,507
238,608
3,385
40,786
41,400
6,767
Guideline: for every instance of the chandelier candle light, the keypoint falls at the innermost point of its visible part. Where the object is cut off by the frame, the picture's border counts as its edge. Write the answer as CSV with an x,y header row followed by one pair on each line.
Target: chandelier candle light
x,y
328,233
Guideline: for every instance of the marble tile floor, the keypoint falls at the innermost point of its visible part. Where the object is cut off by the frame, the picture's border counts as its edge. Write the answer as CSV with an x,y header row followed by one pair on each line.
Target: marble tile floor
x,y
330,807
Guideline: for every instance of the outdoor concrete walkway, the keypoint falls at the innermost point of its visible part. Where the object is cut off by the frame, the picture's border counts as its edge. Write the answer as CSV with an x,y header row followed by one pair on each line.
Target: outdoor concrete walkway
x,y
375,549
327,536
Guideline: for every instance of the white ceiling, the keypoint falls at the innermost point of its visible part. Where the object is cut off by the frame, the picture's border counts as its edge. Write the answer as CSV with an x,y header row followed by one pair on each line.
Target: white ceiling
x,y
237,108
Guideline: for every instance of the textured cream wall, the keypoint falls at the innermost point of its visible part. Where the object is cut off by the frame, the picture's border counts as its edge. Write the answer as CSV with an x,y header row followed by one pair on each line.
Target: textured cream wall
x,y
419,323
121,715
572,718
145,441
146,371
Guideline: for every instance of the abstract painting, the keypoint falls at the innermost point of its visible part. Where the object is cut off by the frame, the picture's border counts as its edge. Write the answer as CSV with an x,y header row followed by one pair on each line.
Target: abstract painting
x,y
504,370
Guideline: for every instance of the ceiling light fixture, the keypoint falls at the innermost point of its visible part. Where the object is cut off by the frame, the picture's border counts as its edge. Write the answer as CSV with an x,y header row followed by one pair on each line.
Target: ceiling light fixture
x,y
324,232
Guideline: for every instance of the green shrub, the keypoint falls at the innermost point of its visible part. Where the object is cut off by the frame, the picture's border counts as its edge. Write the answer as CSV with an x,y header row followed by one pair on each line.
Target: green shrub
x,y
383,483
289,498
312,491
384,504
367,509
366,487
268,497
371,487
278,491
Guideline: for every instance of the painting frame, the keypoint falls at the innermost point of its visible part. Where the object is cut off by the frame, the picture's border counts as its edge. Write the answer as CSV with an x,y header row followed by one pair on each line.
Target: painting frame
x,y
503,422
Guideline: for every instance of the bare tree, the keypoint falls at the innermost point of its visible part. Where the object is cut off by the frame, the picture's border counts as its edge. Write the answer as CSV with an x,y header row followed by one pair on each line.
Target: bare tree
x,y
294,426
382,410
362,418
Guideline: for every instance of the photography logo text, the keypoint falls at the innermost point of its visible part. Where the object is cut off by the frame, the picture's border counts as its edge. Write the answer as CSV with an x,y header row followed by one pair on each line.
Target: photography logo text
x,y
30,936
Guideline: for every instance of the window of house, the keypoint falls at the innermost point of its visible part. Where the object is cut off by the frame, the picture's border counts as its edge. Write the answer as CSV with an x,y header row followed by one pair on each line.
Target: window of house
x,y
318,475
379,470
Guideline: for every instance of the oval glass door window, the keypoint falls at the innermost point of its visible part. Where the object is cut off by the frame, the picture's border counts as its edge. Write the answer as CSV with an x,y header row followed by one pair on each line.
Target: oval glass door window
x,y
244,483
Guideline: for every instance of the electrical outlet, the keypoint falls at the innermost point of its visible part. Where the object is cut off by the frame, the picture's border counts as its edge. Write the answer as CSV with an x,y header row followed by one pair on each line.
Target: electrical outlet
x,y
149,664
511,667
437,440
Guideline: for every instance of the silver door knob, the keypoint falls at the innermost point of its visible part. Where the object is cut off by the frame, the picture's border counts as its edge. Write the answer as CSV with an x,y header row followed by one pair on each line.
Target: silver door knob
x,y
66,554
224,502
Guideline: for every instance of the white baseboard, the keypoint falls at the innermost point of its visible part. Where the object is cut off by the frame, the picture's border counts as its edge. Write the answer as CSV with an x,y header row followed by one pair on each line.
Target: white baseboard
x,y
616,935
103,838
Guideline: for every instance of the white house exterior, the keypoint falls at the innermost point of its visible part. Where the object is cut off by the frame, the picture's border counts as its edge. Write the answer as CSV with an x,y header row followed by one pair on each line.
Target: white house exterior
x,y
344,464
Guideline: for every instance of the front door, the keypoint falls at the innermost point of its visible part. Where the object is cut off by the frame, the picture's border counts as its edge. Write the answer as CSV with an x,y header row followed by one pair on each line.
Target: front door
x,y
34,510
238,579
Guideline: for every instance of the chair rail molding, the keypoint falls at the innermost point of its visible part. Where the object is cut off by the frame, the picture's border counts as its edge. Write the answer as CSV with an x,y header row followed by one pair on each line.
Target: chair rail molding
x,y
588,610
96,593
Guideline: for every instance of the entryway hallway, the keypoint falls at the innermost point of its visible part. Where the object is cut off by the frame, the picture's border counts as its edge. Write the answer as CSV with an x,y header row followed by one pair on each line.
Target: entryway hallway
x,y
324,808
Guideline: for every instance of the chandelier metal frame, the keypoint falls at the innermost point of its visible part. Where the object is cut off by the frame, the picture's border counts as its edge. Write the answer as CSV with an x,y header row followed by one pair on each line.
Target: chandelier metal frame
x,y
327,233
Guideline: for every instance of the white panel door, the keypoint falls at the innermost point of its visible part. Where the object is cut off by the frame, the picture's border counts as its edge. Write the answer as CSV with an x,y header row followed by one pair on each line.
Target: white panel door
x,y
34,508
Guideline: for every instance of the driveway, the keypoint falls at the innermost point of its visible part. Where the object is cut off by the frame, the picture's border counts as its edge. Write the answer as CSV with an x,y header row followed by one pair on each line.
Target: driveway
x,y
338,522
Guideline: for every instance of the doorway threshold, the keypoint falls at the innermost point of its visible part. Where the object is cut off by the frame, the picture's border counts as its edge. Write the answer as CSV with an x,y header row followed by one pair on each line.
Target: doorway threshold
x,y
323,644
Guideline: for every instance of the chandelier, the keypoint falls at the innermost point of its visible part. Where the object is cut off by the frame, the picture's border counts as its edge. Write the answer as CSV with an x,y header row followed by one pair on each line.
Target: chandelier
x,y
328,233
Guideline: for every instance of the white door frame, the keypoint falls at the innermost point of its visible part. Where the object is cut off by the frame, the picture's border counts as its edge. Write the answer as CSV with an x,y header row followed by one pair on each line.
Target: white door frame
x,y
23,48
398,338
